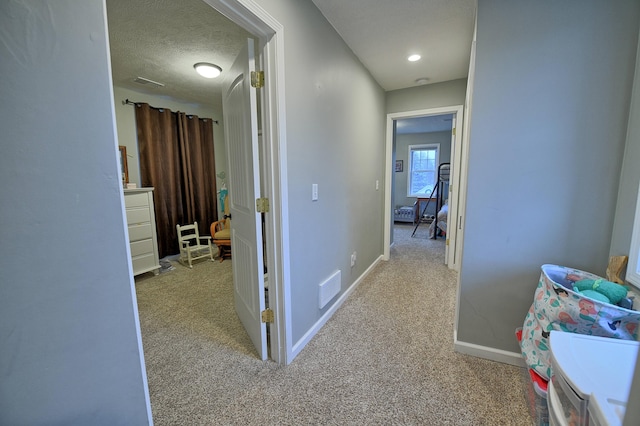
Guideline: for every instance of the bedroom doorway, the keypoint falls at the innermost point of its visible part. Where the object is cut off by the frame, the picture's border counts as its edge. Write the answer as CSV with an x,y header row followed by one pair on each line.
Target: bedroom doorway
x,y
268,33
422,150
269,46
422,122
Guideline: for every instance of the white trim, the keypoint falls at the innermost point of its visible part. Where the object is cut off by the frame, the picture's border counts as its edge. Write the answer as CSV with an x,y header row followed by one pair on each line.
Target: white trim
x,y
388,173
253,18
454,109
419,147
279,253
449,252
456,195
485,352
132,288
466,138
300,344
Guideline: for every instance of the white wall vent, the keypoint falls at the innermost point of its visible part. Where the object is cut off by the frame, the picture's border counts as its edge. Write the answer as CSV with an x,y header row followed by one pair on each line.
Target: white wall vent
x,y
329,288
146,81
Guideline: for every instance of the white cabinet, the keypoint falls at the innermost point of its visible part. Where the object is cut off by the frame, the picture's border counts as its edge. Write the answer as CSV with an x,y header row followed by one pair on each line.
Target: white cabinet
x,y
588,369
141,221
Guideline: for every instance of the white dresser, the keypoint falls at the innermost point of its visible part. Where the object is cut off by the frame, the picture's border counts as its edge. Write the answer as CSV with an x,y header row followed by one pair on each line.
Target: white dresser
x,y
141,221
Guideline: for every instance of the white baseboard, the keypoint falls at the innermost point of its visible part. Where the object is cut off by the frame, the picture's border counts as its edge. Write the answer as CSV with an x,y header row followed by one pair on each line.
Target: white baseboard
x,y
485,352
300,344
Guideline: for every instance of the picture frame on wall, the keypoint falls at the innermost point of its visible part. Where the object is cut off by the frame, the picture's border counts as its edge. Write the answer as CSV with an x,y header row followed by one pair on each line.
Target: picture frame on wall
x,y
398,165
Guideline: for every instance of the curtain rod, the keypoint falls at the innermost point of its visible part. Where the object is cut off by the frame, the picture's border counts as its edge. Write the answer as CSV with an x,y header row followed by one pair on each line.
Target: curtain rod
x,y
128,102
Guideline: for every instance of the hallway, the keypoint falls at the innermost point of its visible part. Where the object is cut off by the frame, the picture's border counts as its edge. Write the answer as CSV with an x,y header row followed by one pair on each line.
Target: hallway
x,y
385,357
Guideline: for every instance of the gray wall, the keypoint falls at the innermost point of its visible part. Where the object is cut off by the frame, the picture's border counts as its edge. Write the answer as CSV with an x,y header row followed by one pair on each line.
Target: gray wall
x,y
70,349
402,153
435,95
335,138
629,177
552,90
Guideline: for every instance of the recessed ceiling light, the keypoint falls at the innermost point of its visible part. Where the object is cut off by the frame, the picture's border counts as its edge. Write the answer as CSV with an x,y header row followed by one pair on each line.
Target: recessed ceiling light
x,y
207,70
414,58
423,80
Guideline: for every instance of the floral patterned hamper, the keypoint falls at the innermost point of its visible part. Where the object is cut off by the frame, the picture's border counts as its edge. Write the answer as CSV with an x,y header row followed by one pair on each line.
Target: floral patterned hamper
x,y
557,307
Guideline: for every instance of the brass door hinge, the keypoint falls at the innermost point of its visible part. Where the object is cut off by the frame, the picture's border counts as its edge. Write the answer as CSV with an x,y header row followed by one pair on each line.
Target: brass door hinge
x,y
453,131
267,315
262,205
447,243
257,79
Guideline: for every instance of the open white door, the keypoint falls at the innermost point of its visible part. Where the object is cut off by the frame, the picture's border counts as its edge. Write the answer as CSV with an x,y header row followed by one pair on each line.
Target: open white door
x,y
241,139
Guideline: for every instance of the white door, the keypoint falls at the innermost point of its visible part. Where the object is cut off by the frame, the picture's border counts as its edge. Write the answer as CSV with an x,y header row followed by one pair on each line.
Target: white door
x,y
241,138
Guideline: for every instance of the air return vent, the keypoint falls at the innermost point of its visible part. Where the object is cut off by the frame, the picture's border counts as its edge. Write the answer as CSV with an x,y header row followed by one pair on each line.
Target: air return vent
x,y
329,289
147,82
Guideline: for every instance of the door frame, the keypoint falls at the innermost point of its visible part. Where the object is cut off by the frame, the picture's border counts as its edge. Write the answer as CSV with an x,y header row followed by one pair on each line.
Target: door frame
x,y
458,166
270,37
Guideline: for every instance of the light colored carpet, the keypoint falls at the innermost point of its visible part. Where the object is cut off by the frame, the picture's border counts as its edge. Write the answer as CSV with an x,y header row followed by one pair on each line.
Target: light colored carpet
x,y
385,357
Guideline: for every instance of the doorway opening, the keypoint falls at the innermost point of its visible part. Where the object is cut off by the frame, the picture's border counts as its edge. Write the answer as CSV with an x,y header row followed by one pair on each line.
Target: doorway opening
x,y
426,127
269,45
271,167
422,152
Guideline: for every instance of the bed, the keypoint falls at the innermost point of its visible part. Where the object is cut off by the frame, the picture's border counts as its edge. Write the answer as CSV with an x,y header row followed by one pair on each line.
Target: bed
x,y
441,221
439,224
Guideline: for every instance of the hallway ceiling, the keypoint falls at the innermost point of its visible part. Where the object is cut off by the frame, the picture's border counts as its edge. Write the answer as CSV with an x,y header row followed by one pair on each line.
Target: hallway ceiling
x,y
383,33
161,40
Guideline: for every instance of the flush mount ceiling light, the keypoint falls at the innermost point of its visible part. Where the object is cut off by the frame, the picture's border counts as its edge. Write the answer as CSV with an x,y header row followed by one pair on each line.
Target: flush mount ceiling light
x,y
414,58
207,70
423,80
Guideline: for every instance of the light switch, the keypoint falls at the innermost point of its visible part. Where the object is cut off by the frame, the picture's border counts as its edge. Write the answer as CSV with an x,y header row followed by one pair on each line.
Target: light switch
x,y
377,184
314,192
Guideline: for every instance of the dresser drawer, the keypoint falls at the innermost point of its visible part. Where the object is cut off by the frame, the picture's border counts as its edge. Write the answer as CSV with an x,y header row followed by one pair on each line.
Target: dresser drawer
x,y
138,215
139,248
140,232
141,226
136,200
144,263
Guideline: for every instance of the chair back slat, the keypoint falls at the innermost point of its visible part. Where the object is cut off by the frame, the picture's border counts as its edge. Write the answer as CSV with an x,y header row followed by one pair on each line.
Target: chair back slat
x,y
189,233
192,247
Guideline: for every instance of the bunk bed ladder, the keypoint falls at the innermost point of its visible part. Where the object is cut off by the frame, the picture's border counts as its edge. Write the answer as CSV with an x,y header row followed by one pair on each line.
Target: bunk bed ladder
x,y
437,188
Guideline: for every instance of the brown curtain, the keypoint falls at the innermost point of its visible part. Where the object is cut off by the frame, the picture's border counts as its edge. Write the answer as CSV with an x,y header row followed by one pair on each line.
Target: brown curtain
x,y
177,159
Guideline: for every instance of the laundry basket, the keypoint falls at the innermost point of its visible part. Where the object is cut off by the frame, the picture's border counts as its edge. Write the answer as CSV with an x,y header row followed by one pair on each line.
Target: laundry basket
x,y
535,392
557,307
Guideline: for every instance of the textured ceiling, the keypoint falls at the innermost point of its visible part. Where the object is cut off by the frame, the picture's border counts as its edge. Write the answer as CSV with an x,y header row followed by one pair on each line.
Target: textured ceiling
x,y
161,40
383,33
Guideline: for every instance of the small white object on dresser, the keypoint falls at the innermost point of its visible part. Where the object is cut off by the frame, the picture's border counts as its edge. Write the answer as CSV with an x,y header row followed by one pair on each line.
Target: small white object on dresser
x,y
141,221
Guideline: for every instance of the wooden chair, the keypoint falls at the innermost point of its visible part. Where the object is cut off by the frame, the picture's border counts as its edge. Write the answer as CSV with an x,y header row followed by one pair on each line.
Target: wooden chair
x,y
192,245
615,267
221,232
